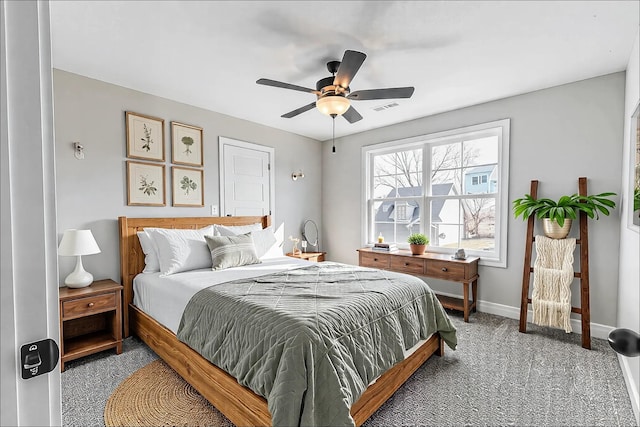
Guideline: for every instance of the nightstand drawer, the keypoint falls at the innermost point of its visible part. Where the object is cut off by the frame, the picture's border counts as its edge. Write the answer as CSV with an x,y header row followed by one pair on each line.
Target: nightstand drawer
x,y
368,259
445,270
89,305
406,264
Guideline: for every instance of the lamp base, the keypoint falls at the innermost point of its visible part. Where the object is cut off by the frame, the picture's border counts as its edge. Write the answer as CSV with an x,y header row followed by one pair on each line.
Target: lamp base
x,y
79,278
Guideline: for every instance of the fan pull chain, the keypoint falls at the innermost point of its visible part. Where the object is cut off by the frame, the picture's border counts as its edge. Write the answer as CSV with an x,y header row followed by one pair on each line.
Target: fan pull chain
x,y
333,117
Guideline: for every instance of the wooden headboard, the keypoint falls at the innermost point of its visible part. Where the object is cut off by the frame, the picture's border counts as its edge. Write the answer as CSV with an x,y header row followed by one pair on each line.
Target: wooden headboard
x,y
132,258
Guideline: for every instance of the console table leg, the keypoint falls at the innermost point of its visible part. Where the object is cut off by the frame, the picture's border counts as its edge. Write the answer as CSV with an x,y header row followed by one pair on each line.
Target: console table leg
x,y
465,286
474,292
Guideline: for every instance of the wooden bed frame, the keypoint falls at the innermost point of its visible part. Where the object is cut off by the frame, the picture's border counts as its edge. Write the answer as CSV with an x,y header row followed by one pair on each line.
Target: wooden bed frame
x,y
238,403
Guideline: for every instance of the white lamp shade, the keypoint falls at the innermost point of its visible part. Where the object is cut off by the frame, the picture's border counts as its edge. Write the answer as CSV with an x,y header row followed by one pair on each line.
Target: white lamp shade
x,y
333,105
78,242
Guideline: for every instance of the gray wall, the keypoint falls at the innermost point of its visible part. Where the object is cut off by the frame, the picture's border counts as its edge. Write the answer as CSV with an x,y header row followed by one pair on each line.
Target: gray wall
x,y
91,193
557,135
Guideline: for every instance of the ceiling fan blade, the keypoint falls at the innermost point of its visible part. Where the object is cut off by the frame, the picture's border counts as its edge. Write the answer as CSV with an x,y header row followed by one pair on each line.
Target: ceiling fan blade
x,y
352,115
275,83
300,110
389,93
351,62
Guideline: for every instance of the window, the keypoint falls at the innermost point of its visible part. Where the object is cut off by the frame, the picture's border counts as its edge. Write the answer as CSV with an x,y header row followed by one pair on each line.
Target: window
x,y
451,186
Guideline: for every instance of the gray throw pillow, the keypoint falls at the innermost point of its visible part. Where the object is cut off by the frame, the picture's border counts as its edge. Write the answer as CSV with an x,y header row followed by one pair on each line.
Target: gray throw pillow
x,y
231,251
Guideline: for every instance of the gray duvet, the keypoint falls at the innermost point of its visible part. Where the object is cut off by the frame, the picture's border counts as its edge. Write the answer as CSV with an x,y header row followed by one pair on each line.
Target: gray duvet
x,y
310,340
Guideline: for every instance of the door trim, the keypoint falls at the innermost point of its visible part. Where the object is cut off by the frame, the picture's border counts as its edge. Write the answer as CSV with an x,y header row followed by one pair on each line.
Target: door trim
x,y
225,141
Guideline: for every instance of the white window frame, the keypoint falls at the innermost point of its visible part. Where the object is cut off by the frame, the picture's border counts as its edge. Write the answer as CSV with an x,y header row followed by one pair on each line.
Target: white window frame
x,y
499,128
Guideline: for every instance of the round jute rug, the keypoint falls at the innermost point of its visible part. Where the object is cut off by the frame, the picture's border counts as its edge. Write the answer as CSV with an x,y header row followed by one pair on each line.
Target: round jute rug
x,y
156,395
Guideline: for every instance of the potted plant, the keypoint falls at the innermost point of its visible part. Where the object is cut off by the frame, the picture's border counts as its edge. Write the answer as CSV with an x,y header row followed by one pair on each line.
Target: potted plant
x,y
418,243
557,216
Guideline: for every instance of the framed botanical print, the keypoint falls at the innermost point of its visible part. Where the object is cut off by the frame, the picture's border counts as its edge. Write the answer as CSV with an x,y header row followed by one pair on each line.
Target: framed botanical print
x,y
188,187
145,137
145,184
186,144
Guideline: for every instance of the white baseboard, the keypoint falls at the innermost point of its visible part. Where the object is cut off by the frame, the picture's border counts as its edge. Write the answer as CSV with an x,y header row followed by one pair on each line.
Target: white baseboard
x,y
632,387
597,331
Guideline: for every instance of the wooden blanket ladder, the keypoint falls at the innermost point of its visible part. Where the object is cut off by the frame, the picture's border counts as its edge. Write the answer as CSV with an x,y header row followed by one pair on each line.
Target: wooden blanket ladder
x,y
583,274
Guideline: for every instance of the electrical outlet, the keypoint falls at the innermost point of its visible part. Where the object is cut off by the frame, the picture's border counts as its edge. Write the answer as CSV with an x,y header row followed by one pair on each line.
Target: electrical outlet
x,y
214,209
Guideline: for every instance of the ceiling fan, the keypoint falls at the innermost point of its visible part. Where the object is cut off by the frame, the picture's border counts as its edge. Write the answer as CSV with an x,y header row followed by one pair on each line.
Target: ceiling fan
x,y
333,93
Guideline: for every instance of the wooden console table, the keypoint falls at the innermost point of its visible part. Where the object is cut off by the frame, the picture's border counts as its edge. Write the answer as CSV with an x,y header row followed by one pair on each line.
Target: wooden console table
x,y
438,266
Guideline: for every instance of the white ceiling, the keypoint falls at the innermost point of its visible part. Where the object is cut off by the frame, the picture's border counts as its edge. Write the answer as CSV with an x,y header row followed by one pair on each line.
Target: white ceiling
x,y
209,54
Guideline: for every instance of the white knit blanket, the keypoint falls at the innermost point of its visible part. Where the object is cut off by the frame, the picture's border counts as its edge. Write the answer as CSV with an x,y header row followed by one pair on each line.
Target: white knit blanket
x,y
552,278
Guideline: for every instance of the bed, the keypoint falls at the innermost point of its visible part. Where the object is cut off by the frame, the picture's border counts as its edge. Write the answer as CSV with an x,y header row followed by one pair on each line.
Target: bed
x,y
238,403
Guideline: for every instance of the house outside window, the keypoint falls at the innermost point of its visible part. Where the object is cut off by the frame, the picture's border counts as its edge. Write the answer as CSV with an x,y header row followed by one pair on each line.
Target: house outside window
x,y
451,186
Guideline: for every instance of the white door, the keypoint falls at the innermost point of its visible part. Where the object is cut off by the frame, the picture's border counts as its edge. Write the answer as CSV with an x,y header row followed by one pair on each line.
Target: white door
x,y
246,178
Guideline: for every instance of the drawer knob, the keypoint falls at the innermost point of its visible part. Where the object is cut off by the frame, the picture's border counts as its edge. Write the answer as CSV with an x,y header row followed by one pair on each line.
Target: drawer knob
x,y
406,264
375,259
444,268
90,305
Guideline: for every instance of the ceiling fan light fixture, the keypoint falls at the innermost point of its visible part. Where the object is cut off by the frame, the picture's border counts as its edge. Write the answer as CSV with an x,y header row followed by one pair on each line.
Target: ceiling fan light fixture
x,y
333,105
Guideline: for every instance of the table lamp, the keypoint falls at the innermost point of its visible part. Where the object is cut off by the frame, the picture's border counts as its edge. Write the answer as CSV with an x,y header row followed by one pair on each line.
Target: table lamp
x,y
77,243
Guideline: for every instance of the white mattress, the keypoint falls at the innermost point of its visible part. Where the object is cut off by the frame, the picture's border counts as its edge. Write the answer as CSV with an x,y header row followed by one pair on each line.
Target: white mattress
x,y
165,298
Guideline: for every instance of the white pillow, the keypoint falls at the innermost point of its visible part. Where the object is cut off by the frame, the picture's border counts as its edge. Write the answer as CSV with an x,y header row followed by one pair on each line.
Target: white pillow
x,y
234,230
151,262
181,250
266,243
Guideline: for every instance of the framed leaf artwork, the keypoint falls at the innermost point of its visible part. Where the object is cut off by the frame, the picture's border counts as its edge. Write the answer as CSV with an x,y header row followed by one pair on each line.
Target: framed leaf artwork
x,y
145,184
188,187
145,137
186,144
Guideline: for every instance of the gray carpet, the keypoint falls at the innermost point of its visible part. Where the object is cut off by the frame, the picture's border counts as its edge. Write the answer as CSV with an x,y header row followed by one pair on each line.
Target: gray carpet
x,y
497,376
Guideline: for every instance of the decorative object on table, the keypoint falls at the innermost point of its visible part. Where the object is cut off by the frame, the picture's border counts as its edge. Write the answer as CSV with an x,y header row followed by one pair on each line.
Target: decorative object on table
x,y
188,187
145,137
186,145
625,342
310,234
77,243
418,243
145,184
380,238
460,254
303,245
297,175
557,216
385,247
295,251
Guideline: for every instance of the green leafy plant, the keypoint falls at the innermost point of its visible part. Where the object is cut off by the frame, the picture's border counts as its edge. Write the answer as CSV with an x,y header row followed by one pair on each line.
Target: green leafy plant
x,y
188,184
147,140
147,187
418,239
636,199
188,142
567,207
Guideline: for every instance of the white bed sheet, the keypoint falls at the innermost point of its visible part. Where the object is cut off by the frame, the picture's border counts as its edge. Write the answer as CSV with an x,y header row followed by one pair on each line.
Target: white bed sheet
x,y
165,298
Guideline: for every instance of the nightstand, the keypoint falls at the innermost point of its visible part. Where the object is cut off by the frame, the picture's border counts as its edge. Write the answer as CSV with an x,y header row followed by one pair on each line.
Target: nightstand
x,y
90,320
309,256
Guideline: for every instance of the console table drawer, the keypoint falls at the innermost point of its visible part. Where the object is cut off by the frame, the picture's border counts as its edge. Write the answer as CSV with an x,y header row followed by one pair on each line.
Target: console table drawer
x,y
375,260
405,264
445,270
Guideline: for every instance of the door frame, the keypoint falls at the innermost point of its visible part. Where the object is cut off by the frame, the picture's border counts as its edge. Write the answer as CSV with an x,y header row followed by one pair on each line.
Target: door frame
x,y
28,212
225,141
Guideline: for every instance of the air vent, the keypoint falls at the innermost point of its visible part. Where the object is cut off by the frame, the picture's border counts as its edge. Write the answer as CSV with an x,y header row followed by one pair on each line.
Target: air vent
x,y
385,107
